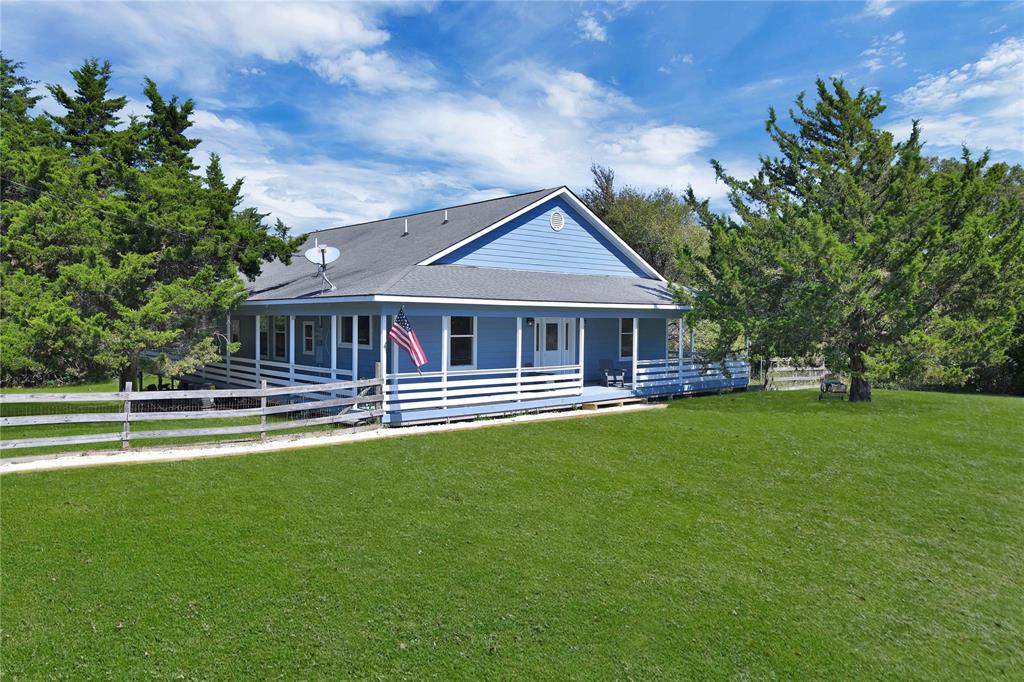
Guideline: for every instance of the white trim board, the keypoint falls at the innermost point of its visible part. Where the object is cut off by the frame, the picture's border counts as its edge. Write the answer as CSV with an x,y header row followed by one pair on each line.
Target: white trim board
x,y
567,193
387,298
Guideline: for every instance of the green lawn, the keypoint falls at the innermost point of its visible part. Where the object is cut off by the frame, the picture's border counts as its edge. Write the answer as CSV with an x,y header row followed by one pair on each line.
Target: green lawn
x,y
747,536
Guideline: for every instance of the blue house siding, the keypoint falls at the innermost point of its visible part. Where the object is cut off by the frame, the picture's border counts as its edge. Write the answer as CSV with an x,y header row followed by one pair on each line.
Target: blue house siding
x,y
601,343
652,339
529,243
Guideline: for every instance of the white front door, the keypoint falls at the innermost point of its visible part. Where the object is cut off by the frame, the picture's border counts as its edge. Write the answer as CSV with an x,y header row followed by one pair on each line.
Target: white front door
x,y
554,341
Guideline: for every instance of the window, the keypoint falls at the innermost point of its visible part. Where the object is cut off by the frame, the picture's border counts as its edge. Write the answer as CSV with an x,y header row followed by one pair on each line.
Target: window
x,y
307,337
362,331
280,337
264,334
550,336
462,342
236,334
626,338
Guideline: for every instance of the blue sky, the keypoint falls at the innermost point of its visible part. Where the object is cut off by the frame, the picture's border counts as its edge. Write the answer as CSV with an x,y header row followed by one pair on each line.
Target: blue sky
x,y
338,113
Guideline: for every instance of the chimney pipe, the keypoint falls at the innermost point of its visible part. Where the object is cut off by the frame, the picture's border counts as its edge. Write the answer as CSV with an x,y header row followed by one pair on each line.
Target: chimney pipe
x,y
446,215
406,227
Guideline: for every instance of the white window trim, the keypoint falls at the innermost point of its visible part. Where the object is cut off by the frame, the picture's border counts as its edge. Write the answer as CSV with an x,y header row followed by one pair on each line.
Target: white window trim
x,y
308,334
355,332
623,358
476,333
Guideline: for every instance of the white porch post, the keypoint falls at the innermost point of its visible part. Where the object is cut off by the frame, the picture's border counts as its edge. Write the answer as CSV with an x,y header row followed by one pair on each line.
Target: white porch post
x,y
636,347
291,349
580,346
256,351
519,355
355,349
680,338
382,359
446,325
334,347
227,351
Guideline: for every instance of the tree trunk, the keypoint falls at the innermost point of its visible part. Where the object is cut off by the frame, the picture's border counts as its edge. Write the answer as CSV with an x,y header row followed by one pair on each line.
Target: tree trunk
x,y
860,389
129,373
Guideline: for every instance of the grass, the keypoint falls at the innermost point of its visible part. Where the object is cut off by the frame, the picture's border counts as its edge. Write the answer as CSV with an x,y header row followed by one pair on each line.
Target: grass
x,y
744,536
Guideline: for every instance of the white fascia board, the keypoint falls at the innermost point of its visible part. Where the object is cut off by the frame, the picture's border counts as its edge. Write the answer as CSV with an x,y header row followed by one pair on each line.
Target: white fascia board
x,y
596,222
464,301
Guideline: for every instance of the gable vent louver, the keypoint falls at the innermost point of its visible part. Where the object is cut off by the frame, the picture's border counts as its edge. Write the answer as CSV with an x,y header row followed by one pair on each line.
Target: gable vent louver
x,y
557,221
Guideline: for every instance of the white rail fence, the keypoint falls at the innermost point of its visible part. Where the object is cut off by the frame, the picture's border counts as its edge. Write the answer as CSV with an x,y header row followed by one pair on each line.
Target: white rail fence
x,y
344,402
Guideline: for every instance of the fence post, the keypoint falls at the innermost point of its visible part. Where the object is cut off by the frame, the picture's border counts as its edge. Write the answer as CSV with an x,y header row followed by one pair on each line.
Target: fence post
x,y
263,409
126,427
381,376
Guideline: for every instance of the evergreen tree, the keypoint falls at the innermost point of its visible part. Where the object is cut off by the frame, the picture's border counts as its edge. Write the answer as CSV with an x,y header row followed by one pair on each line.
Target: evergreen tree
x,y
113,248
165,127
16,96
854,247
91,117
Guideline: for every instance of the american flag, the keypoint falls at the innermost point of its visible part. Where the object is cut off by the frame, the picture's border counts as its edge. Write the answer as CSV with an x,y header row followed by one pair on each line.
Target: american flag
x,y
402,334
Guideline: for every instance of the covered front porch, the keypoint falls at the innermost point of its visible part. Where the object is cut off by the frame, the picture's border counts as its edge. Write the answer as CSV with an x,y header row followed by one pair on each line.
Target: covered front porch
x,y
480,360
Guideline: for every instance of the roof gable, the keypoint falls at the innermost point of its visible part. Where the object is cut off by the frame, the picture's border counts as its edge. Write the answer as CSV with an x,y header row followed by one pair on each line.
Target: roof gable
x,y
584,216
531,242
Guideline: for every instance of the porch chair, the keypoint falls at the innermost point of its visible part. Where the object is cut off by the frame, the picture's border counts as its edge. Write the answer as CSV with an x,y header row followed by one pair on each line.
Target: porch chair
x,y
613,376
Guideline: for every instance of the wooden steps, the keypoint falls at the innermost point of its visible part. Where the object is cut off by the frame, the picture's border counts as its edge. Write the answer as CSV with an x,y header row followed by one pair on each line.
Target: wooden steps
x,y
615,402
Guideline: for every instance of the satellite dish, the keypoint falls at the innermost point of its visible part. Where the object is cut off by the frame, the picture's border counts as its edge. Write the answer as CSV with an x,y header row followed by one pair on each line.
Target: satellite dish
x,y
320,256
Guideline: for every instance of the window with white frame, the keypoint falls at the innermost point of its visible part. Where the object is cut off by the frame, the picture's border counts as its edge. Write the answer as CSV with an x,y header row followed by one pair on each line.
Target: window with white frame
x,y
264,336
307,337
363,336
462,341
626,338
280,337
236,333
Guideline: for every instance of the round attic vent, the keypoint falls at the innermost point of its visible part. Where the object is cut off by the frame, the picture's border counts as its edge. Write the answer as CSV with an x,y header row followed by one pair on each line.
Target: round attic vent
x,y
557,221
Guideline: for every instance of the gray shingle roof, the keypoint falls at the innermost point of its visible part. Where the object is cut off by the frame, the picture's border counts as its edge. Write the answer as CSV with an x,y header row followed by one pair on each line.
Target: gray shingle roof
x,y
377,259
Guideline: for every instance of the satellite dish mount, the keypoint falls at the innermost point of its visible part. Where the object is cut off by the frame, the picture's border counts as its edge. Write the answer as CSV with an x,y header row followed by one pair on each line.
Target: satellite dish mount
x,y
321,257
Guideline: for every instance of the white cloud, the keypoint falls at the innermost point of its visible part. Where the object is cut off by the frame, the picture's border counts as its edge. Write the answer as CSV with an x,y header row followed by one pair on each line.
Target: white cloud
x,y
978,104
1000,73
882,9
374,72
524,142
155,36
590,28
885,51
316,191
570,94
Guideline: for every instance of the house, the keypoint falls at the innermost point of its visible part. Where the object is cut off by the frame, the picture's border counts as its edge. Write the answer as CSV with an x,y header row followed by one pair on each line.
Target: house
x,y
520,303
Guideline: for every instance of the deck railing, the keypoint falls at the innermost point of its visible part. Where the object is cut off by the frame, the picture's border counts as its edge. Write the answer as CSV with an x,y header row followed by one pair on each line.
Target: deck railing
x,y
243,372
690,374
456,388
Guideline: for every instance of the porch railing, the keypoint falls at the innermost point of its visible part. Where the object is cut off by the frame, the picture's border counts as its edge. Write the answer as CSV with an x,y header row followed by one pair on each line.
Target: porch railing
x,y
691,374
242,372
433,390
